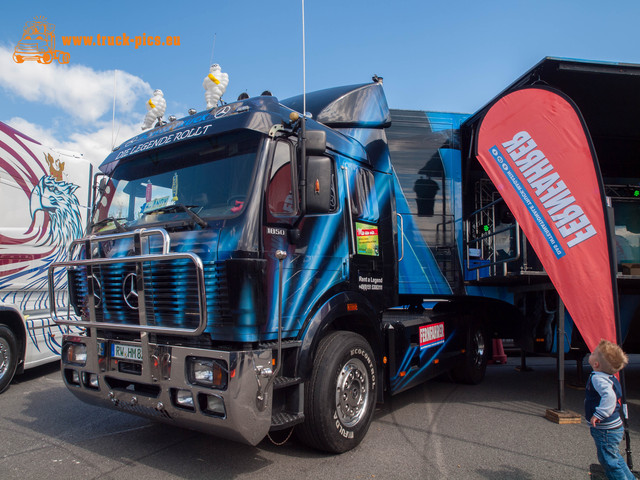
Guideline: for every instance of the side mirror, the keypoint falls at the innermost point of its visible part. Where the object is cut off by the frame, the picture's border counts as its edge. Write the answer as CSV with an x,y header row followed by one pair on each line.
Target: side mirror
x,y
319,183
102,188
100,182
316,142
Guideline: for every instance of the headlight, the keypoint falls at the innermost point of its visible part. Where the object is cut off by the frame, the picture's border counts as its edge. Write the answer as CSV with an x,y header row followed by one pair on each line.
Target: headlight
x,y
184,399
213,405
75,353
91,380
207,372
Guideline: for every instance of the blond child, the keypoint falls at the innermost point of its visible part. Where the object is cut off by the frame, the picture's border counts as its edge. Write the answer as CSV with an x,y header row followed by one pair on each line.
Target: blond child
x,y
602,407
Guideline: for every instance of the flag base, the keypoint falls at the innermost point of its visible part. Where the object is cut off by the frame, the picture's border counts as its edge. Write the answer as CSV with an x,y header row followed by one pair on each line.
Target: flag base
x,y
562,417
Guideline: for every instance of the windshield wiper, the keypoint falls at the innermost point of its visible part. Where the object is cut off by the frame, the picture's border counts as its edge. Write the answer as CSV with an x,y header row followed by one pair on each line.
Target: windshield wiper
x,y
115,221
181,207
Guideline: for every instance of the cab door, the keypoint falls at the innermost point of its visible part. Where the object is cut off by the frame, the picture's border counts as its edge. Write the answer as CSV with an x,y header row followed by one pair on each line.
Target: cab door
x,y
367,273
316,244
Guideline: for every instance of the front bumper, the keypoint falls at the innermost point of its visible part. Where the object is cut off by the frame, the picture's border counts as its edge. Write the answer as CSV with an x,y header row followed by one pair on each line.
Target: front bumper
x,y
152,389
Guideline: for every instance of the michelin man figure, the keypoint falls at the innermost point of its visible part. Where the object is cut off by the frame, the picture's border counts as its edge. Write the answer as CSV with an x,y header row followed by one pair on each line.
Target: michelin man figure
x,y
156,106
214,85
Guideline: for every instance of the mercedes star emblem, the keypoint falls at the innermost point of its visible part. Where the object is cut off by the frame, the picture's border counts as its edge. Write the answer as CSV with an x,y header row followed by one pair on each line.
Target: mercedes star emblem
x,y
130,291
97,291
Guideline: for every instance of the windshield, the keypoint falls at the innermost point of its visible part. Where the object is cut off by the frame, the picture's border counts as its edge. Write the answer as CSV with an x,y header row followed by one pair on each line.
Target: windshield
x,y
210,177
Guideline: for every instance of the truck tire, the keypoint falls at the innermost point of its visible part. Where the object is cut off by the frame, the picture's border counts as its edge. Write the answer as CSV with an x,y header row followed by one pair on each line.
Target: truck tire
x,y
8,357
62,57
46,58
341,393
473,366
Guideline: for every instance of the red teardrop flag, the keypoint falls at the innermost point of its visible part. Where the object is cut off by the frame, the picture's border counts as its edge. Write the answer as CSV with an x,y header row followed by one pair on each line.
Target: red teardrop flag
x,y
535,147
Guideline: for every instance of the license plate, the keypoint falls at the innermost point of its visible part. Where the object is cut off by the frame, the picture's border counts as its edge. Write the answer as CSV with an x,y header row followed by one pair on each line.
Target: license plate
x,y
126,352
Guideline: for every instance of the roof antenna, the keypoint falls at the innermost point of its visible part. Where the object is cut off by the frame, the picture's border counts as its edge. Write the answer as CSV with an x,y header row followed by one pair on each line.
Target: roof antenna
x,y
212,49
303,130
113,120
304,70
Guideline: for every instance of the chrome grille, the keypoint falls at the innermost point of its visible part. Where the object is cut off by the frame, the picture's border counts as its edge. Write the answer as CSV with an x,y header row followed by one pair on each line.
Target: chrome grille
x,y
170,291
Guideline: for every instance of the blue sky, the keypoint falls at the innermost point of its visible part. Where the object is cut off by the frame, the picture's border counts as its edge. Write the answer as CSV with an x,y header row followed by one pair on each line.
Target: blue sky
x,y
444,56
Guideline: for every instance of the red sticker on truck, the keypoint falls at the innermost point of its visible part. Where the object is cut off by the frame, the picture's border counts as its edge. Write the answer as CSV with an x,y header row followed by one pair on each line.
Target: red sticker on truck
x,y
431,335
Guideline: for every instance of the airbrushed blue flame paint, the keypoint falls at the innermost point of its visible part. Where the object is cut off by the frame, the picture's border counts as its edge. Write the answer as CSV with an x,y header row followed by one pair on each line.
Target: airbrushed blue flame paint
x,y
419,271
452,163
322,270
399,382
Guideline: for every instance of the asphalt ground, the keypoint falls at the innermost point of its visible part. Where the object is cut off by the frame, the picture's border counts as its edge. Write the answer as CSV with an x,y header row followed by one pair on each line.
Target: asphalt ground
x,y
440,430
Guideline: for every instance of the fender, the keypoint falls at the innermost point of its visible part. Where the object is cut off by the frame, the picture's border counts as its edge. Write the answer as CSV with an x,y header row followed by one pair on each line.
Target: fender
x,y
365,321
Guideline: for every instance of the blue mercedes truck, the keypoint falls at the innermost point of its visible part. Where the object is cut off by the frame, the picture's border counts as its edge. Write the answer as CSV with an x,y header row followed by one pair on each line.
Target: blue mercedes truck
x,y
251,269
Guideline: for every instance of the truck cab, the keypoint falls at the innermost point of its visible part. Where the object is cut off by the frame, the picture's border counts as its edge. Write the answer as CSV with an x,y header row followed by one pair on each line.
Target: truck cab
x,y
227,250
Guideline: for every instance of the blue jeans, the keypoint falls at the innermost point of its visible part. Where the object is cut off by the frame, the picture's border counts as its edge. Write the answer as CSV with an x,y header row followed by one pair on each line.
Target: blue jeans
x,y
608,447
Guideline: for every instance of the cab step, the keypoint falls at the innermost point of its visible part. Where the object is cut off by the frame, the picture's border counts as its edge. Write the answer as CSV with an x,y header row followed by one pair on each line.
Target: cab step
x,y
282,420
285,344
284,382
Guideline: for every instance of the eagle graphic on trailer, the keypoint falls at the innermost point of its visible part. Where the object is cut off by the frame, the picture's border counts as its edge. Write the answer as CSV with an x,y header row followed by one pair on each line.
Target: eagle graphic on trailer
x,y
47,192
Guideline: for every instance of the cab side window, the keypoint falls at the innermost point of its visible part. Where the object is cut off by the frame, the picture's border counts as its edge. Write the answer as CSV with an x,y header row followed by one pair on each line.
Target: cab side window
x,y
281,195
364,197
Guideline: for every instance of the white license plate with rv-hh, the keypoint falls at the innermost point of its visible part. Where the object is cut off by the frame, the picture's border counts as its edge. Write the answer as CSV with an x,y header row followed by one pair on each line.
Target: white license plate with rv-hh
x,y
126,352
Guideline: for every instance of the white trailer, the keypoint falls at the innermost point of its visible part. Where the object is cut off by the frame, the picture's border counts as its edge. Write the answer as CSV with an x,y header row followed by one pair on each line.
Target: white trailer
x,y
44,197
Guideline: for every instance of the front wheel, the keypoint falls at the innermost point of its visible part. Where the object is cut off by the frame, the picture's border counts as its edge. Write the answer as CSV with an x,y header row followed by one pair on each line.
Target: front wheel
x,y
46,58
341,394
8,357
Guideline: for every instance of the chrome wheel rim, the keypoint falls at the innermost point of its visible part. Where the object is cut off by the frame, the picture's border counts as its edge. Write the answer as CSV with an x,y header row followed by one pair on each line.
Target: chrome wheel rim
x,y
352,392
479,347
4,357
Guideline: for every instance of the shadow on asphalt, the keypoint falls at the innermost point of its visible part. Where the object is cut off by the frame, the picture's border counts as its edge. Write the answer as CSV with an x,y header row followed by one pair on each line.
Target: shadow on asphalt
x,y
110,434
36,372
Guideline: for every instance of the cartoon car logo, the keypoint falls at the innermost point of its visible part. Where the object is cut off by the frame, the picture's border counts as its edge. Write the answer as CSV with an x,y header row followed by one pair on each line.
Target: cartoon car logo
x,y
39,43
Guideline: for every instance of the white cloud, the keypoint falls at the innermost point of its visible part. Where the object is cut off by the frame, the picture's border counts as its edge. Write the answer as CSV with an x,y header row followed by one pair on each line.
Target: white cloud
x,y
82,92
84,97
93,145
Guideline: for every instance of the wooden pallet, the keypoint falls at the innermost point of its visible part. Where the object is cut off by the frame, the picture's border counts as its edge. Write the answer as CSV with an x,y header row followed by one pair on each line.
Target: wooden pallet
x,y
562,417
